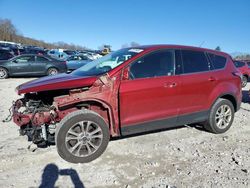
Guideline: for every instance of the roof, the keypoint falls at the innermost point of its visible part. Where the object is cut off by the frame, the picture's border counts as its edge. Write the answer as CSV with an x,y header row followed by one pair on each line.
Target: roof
x,y
159,46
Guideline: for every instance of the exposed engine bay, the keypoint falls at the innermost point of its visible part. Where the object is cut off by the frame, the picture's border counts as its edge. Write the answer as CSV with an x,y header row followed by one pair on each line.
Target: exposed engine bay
x,y
36,119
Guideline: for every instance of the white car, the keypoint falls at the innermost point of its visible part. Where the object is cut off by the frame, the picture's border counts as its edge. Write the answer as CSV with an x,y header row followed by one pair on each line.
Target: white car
x,y
91,55
58,54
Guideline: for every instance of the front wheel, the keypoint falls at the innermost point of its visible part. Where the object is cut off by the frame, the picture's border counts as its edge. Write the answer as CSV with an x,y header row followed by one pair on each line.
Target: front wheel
x,y
3,73
82,136
221,116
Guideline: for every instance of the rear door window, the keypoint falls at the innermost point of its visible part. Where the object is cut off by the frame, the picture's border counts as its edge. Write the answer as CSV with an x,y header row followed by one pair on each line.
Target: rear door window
x,y
194,61
41,59
248,63
217,61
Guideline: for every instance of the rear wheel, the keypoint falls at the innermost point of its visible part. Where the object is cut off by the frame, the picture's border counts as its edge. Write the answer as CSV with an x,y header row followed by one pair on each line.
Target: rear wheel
x,y
221,116
3,73
244,81
82,136
52,71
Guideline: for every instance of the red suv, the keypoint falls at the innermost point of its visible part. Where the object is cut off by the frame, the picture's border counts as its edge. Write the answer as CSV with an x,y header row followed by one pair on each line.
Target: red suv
x,y
129,91
244,68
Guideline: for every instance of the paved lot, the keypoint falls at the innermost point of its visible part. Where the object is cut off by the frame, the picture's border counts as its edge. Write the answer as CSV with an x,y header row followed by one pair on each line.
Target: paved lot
x,y
184,157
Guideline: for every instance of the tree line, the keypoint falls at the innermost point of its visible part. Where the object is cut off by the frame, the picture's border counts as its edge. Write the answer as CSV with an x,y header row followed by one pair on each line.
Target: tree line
x,y
8,32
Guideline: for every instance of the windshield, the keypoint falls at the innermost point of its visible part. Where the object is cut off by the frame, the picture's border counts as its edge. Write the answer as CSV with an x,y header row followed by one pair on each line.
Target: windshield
x,y
107,63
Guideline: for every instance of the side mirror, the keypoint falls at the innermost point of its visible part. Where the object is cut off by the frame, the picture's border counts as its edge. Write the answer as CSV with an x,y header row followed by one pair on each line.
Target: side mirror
x,y
125,74
14,61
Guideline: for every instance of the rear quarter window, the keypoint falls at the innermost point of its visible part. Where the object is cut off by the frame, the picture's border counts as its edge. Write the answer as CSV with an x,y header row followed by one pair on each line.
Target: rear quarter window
x,y
217,61
239,64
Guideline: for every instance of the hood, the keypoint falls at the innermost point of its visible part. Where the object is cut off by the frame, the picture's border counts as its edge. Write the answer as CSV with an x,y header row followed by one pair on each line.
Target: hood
x,y
60,81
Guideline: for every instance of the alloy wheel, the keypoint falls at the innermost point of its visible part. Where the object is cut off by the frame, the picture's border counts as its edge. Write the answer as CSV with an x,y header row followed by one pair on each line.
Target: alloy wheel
x,y
53,72
3,73
223,116
84,138
244,81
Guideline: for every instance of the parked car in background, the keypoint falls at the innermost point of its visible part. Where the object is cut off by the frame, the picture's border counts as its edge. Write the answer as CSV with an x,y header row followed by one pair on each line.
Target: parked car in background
x,y
90,55
31,65
58,54
76,61
33,50
6,54
244,68
15,47
105,51
159,86
70,52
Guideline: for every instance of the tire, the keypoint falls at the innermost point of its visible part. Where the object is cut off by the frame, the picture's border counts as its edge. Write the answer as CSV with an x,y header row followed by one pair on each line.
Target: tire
x,y
52,71
3,73
79,145
244,81
222,112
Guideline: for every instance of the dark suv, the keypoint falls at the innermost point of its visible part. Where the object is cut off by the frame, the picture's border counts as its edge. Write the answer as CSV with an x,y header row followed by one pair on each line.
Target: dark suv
x,y
5,54
129,91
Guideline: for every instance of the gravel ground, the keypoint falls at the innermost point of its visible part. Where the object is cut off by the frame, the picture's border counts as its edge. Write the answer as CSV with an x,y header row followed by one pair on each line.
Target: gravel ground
x,y
184,157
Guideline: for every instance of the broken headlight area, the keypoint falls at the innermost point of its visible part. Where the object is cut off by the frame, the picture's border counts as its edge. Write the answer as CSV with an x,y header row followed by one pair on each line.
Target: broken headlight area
x,y
36,120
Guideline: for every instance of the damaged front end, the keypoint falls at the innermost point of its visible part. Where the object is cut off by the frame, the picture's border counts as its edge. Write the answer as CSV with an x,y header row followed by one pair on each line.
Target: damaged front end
x,y
36,120
38,114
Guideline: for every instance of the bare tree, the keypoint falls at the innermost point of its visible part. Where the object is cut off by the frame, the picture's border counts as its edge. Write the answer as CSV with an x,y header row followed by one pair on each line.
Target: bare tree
x,y
134,44
125,46
7,30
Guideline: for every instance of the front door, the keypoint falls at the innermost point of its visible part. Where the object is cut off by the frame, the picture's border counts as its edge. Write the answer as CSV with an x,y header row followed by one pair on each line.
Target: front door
x,y
149,99
22,65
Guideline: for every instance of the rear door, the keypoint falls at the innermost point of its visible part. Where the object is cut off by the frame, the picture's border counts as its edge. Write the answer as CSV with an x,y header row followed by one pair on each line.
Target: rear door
x,y
197,82
22,65
39,66
151,94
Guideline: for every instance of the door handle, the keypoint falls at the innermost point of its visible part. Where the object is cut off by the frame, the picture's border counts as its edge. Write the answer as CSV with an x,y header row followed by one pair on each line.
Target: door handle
x,y
170,84
212,79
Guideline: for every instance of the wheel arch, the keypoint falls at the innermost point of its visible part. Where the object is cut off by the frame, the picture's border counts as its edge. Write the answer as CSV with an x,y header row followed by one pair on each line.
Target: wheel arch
x,y
5,68
100,107
52,67
246,75
230,97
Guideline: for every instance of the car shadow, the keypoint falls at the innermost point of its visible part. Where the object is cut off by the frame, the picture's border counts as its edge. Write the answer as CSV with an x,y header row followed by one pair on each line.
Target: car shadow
x,y
245,96
51,173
